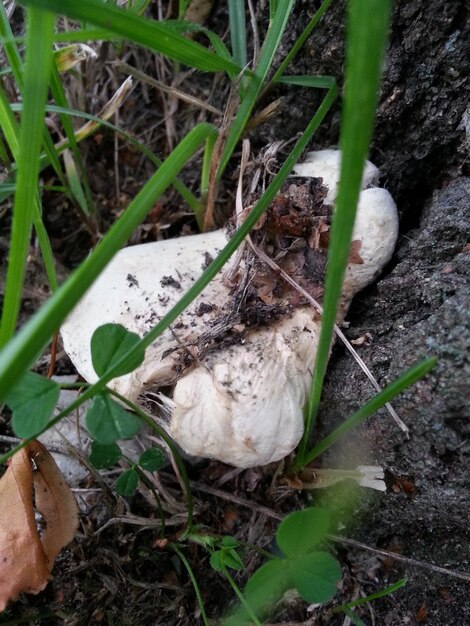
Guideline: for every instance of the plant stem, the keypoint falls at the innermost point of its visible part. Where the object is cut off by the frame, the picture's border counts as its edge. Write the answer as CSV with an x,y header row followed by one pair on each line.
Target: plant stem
x,y
197,591
169,442
241,597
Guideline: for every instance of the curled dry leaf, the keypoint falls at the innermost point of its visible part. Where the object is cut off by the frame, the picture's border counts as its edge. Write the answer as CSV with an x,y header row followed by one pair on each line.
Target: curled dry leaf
x,y
26,557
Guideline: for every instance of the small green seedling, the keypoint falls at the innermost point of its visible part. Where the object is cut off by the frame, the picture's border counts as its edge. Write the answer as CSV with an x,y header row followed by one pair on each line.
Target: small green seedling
x,y
104,455
314,574
226,556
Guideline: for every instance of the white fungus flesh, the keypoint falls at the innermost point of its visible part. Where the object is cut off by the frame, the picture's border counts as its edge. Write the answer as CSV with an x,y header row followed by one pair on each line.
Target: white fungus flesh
x,y
243,403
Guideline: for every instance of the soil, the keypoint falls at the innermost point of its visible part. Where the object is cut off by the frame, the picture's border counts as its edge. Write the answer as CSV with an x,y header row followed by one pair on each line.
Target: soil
x,y
419,307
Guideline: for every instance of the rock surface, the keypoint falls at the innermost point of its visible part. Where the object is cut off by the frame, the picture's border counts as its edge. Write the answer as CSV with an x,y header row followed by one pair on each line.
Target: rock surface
x,y
421,308
422,133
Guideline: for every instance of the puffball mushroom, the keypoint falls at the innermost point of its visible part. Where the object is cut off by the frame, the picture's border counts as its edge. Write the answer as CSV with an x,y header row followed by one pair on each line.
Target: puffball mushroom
x,y
238,387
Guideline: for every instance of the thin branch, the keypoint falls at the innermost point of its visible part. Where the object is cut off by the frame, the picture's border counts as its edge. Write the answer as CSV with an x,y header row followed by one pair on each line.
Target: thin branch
x,y
263,510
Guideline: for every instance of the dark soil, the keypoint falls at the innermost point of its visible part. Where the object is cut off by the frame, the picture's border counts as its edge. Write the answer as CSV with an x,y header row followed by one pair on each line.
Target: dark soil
x,y
420,307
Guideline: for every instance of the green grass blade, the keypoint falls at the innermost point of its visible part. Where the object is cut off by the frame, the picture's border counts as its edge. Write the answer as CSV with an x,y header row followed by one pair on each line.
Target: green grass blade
x,y
182,26
11,49
353,618
300,42
236,13
82,35
272,9
7,189
268,50
182,8
19,354
4,156
367,34
193,580
318,82
178,26
77,177
148,33
374,596
39,32
44,245
11,131
413,374
8,123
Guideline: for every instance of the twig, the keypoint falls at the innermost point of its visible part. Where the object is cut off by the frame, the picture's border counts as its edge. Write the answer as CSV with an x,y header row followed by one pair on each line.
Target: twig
x,y
181,95
254,27
50,371
144,522
404,559
224,495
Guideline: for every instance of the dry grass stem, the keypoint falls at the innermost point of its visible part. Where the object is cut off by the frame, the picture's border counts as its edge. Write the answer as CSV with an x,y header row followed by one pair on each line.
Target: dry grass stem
x,y
172,91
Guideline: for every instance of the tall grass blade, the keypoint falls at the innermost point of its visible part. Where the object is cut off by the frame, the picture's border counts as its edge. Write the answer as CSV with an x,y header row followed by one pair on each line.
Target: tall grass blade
x,y
85,34
182,8
413,374
11,49
300,42
236,13
148,33
75,170
8,123
183,26
11,131
39,30
367,34
268,50
317,82
374,596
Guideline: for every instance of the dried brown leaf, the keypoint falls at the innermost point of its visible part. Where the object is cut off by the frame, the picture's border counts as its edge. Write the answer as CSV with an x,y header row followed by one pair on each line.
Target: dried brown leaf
x,y
26,558
54,501
23,564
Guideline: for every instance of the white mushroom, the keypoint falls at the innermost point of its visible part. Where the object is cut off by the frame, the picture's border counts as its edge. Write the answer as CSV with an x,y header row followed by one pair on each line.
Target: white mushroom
x,y
328,162
240,401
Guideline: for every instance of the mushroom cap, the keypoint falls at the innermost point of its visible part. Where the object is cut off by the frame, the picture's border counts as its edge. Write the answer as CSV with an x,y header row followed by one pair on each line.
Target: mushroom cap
x,y
326,164
242,403
137,288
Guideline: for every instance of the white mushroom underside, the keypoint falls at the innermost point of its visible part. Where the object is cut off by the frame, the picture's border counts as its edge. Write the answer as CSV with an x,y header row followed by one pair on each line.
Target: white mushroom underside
x,y
242,404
